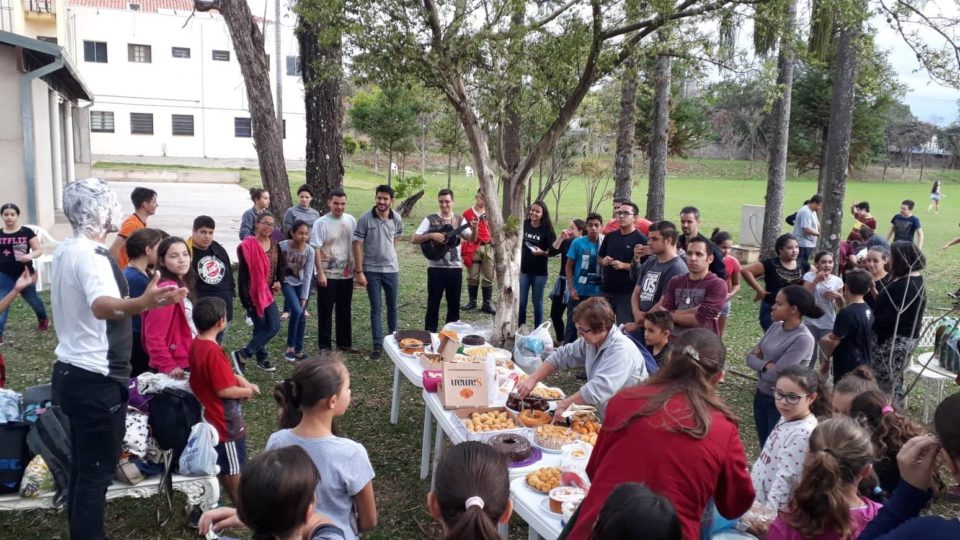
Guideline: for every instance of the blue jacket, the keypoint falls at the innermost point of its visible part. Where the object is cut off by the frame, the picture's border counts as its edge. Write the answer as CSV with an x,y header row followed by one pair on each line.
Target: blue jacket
x,y
898,520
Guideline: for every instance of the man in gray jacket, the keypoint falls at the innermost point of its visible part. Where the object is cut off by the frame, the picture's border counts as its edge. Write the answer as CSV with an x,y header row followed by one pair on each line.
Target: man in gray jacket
x,y
611,359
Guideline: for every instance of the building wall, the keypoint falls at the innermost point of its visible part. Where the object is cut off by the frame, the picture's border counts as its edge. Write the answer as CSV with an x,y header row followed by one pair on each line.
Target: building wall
x,y
11,128
212,91
42,154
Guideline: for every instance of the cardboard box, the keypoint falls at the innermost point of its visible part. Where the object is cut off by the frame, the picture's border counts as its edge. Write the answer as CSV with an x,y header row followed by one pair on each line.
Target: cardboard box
x,y
465,384
448,347
483,436
431,361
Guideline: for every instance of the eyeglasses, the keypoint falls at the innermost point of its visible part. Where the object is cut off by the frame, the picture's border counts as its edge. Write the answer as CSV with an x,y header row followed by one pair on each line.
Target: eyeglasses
x,y
267,224
624,214
791,399
583,331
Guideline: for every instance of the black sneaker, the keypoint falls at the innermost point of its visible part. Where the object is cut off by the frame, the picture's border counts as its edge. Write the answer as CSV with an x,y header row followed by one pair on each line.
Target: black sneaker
x,y
374,354
239,361
266,365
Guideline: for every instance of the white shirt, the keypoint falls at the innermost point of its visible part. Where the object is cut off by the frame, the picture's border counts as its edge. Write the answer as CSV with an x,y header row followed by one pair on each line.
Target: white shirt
x,y
333,238
778,470
831,284
82,272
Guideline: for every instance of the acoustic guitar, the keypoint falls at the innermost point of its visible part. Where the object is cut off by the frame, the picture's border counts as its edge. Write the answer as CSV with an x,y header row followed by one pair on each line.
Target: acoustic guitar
x,y
435,251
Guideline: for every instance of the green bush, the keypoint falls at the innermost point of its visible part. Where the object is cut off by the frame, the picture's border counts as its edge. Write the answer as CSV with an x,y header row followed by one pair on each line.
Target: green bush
x,y
350,145
408,185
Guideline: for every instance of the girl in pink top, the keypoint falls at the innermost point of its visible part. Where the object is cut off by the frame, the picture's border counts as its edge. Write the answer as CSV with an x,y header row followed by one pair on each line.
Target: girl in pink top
x,y
167,330
724,241
826,506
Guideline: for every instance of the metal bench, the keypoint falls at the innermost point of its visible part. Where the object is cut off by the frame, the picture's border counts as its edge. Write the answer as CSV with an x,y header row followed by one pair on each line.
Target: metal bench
x,y
203,491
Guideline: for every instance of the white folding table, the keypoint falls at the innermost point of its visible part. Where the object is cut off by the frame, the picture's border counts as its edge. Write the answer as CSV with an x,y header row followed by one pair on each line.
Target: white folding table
x,y
413,372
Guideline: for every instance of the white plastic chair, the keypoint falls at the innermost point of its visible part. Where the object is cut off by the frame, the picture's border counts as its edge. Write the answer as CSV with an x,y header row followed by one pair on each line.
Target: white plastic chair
x,y
43,264
927,366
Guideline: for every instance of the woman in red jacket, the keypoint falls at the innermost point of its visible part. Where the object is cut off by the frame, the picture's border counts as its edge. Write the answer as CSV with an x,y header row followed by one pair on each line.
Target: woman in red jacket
x,y
167,330
675,436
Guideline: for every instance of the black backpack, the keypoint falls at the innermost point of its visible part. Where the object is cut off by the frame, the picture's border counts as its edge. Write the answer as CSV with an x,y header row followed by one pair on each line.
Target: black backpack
x,y
172,414
50,437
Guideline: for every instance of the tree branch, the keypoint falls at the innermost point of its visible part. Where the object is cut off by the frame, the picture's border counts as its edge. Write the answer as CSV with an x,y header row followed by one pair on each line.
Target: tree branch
x,y
930,24
546,20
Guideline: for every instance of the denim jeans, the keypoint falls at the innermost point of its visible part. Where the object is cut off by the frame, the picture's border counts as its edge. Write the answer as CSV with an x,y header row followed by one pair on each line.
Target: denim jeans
x,y
96,407
29,294
537,283
292,298
765,414
264,328
766,318
389,282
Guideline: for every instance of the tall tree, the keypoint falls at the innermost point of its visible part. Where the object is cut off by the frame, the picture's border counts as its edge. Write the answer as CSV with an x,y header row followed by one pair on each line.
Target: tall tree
x,y
627,121
252,56
448,133
319,36
388,116
657,185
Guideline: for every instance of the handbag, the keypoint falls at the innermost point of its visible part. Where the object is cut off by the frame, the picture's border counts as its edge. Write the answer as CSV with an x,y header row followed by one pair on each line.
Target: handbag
x,y
559,288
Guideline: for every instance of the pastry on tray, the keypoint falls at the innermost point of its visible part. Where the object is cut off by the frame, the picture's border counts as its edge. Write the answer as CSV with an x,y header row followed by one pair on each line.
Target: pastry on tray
x,y
473,339
553,437
544,479
489,421
530,402
411,346
513,446
422,335
533,417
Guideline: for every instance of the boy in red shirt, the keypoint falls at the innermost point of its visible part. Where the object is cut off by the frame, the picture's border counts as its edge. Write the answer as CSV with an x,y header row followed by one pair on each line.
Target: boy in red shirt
x,y
220,391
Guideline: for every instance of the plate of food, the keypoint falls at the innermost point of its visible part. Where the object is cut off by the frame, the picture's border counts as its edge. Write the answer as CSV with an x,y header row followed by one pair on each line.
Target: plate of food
x,y
551,438
548,393
543,479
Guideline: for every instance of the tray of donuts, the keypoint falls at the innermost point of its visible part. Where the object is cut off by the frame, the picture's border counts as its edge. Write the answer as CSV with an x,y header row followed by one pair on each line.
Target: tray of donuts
x,y
482,423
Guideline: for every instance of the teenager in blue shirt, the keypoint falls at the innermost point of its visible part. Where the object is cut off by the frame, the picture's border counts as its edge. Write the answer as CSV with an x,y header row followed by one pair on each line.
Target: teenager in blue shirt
x,y
583,280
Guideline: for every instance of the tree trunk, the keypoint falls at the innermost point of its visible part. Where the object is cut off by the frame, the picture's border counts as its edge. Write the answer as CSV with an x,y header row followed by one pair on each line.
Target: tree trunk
x,y
423,150
841,123
449,158
777,153
656,190
824,156
390,167
252,57
321,67
626,130
406,207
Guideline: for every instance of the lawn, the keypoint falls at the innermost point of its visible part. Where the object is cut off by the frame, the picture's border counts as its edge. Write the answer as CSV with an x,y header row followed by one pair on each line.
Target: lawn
x,y
395,450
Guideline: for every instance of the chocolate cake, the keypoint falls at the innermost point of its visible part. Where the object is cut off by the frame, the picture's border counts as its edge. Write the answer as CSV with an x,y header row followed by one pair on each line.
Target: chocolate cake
x,y
514,447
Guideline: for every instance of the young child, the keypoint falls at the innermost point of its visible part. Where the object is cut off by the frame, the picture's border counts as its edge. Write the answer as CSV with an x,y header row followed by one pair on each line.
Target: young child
x,y
889,429
825,504
917,462
168,329
724,241
849,341
850,386
142,251
657,328
317,392
800,398
633,511
300,259
825,288
219,390
276,500
471,494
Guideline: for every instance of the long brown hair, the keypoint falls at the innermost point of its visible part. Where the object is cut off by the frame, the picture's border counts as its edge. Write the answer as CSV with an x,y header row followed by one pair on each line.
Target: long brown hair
x,y
812,383
276,489
312,381
472,469
697,357
839,451
890,429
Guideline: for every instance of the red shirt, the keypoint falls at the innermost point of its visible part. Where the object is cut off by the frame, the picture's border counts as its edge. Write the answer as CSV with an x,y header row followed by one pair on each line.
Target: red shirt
x,y
685,470
642,225
483,232
732,265
210,372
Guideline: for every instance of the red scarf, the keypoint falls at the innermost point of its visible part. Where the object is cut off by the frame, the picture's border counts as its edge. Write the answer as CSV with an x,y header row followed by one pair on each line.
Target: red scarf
x,y
258,266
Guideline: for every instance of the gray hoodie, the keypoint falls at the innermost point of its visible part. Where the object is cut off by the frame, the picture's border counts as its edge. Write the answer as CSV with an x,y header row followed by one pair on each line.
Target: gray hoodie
x,y
616,364
295,212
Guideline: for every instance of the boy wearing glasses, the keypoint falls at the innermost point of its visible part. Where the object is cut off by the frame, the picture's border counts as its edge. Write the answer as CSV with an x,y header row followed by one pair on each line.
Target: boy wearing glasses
x,y
616,261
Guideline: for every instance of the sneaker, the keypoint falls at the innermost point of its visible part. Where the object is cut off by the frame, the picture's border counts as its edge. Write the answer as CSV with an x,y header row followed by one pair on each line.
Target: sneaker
x,y
43,325
300,356
249,321
193,520
266,365
374,354
239,361
285,316
290,356
351,350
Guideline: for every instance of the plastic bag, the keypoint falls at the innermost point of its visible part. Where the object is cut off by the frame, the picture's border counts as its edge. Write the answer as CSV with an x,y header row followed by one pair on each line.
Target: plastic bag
x,y
199,458
136,434
529,350
36,479
573,464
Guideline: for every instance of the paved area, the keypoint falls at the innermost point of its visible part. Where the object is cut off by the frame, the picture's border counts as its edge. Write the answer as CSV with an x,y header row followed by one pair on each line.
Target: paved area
x,y
180,204
227,163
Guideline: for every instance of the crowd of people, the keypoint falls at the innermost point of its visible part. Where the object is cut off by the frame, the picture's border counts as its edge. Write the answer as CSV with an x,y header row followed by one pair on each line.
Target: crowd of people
x,y
640,306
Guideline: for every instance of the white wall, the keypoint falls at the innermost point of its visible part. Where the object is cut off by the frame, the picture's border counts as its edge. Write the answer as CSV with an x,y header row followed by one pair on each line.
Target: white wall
x,y
213,92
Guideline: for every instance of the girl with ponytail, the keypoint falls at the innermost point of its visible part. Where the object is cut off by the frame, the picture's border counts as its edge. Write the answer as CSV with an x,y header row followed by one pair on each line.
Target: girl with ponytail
x,y
692,449
889,429
825,505
471,494
317,392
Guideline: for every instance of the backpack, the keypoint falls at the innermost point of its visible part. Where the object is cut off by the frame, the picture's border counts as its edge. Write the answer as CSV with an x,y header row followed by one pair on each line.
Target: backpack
x,y
172,413
14,455
949,347
50,438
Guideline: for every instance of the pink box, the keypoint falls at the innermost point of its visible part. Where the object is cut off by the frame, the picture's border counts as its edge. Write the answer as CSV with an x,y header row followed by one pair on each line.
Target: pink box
x,y
432,380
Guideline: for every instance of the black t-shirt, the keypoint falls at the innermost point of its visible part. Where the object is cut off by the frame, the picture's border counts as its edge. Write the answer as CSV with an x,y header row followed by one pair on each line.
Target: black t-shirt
x,y
620,247
564,247
853,326
905,299
776,276
213,274
10,244
540,237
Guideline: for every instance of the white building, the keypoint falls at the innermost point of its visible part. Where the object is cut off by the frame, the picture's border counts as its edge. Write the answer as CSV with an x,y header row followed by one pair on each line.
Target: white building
x,y
168,83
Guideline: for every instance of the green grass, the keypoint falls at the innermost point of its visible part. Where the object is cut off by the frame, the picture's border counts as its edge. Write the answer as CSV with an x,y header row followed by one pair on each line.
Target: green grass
x,y
395,450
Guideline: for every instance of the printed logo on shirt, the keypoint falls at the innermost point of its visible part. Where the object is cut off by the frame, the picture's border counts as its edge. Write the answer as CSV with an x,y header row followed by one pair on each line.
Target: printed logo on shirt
x,y
686,298
211,270
648,286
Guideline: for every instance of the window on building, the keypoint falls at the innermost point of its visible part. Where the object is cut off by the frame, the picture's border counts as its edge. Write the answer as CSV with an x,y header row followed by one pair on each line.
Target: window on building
x,y
141,123
221,56
95,51
293,65
101,121
182,124
48,39
181,52
140,54
134,7
242,128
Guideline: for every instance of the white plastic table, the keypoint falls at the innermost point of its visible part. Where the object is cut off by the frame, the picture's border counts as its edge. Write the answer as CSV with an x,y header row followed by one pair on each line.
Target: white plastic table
x,y
413,372
526,502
